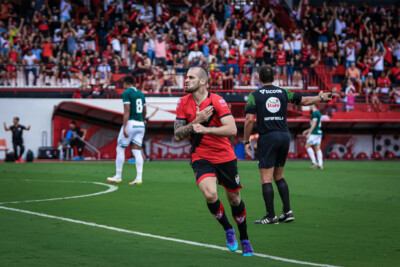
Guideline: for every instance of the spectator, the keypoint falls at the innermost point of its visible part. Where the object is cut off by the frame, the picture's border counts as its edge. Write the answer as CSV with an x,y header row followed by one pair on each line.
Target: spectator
x,y
353,73
48,71
229,79
369,85
105,72
90,36
350,100
160,51
11,72
234,54
29,63
378,63
394,73
63,72
375,101
280,55
196,56
65,10
383,84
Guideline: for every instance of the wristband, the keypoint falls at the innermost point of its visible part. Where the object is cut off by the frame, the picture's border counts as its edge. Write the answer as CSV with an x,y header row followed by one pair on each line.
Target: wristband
x,y
246,143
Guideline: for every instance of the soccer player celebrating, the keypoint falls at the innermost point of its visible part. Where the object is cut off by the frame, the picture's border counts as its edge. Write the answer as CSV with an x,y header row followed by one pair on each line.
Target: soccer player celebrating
x,y
270,105
132,130
209,122
313,136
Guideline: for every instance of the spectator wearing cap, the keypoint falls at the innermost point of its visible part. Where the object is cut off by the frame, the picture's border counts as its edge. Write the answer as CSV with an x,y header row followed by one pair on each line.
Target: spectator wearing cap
x,y
160,50
29,61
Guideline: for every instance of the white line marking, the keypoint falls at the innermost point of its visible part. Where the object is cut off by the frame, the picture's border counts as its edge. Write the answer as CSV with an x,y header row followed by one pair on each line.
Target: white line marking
x,y
159,237
111,188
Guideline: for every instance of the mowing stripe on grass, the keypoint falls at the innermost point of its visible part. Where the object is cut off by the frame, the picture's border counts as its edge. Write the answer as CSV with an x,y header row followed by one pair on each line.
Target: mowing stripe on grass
x,y
158,237
111,188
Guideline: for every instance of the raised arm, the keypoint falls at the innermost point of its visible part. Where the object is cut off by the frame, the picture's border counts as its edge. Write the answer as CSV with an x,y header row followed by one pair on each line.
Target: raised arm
x,y
309,100
28,128
6,128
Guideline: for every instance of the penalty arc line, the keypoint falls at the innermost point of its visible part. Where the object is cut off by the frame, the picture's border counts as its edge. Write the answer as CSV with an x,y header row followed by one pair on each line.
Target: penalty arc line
x,y
111,188
159,237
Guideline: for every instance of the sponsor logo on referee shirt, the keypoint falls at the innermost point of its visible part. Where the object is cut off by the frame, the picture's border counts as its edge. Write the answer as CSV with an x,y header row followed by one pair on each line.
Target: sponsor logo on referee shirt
x,y
273,104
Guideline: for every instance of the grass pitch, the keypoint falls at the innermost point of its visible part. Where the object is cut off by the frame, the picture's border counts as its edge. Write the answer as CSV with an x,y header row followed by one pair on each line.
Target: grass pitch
x,y
346,214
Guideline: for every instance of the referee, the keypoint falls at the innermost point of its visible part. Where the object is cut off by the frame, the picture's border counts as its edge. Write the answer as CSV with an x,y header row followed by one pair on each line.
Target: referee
x,y
270,104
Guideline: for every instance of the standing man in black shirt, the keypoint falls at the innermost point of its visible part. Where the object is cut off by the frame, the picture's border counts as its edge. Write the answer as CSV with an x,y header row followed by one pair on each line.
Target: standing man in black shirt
x,y
77,137
270,105
17,140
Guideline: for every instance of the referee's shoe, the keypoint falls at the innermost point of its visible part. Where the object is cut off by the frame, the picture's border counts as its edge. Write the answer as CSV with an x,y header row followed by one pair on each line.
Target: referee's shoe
x,y
286,216
267,220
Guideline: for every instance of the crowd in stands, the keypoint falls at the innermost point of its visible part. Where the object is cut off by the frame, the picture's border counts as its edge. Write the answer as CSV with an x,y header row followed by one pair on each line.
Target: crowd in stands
x,y
158,44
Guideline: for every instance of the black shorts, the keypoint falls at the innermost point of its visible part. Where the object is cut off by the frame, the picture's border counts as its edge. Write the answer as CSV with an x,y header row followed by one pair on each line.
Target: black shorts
x,y
226,173
272,149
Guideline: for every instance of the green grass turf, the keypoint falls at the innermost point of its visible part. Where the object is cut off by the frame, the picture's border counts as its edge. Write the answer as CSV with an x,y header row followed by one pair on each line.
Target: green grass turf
x,y
346,214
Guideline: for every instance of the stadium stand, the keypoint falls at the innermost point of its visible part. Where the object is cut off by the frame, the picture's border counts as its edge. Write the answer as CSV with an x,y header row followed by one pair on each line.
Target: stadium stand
x,y
83,49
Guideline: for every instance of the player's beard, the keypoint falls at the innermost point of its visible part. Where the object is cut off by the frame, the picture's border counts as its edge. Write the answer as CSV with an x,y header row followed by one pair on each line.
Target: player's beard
x,y
192,88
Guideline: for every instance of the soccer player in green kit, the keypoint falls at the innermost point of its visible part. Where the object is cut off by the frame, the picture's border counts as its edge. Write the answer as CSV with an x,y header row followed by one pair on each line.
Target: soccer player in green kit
x,y
132,130
314,136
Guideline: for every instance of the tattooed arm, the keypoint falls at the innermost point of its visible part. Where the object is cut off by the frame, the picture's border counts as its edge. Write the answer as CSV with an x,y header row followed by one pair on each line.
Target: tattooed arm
x,y
182,130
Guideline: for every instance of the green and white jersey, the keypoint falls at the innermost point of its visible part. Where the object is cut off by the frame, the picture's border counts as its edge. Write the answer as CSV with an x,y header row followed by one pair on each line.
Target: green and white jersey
x,y
316,115
136,99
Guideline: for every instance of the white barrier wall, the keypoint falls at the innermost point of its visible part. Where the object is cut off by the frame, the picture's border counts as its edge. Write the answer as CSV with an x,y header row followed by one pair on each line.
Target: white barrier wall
x,y
38,113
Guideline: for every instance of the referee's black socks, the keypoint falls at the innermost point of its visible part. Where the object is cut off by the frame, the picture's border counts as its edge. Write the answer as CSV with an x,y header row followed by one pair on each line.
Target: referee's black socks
x,y
268,194
239,214
284,193
218,211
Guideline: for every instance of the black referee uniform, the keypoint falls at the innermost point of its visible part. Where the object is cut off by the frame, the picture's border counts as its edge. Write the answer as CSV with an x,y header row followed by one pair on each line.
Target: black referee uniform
x,y
270,105
17,140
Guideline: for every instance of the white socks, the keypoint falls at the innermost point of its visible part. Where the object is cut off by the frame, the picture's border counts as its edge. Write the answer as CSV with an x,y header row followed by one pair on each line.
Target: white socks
x,y
320,158
310,152
119,161
137,153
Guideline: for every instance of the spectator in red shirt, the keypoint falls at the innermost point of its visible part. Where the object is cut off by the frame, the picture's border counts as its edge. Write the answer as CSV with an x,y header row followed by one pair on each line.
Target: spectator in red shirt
x,y
280,55
383,84
11,72
395,73
233,58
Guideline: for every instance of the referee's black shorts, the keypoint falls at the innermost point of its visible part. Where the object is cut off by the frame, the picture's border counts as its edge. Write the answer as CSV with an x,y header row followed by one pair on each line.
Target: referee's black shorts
x,y
226,173
272,149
